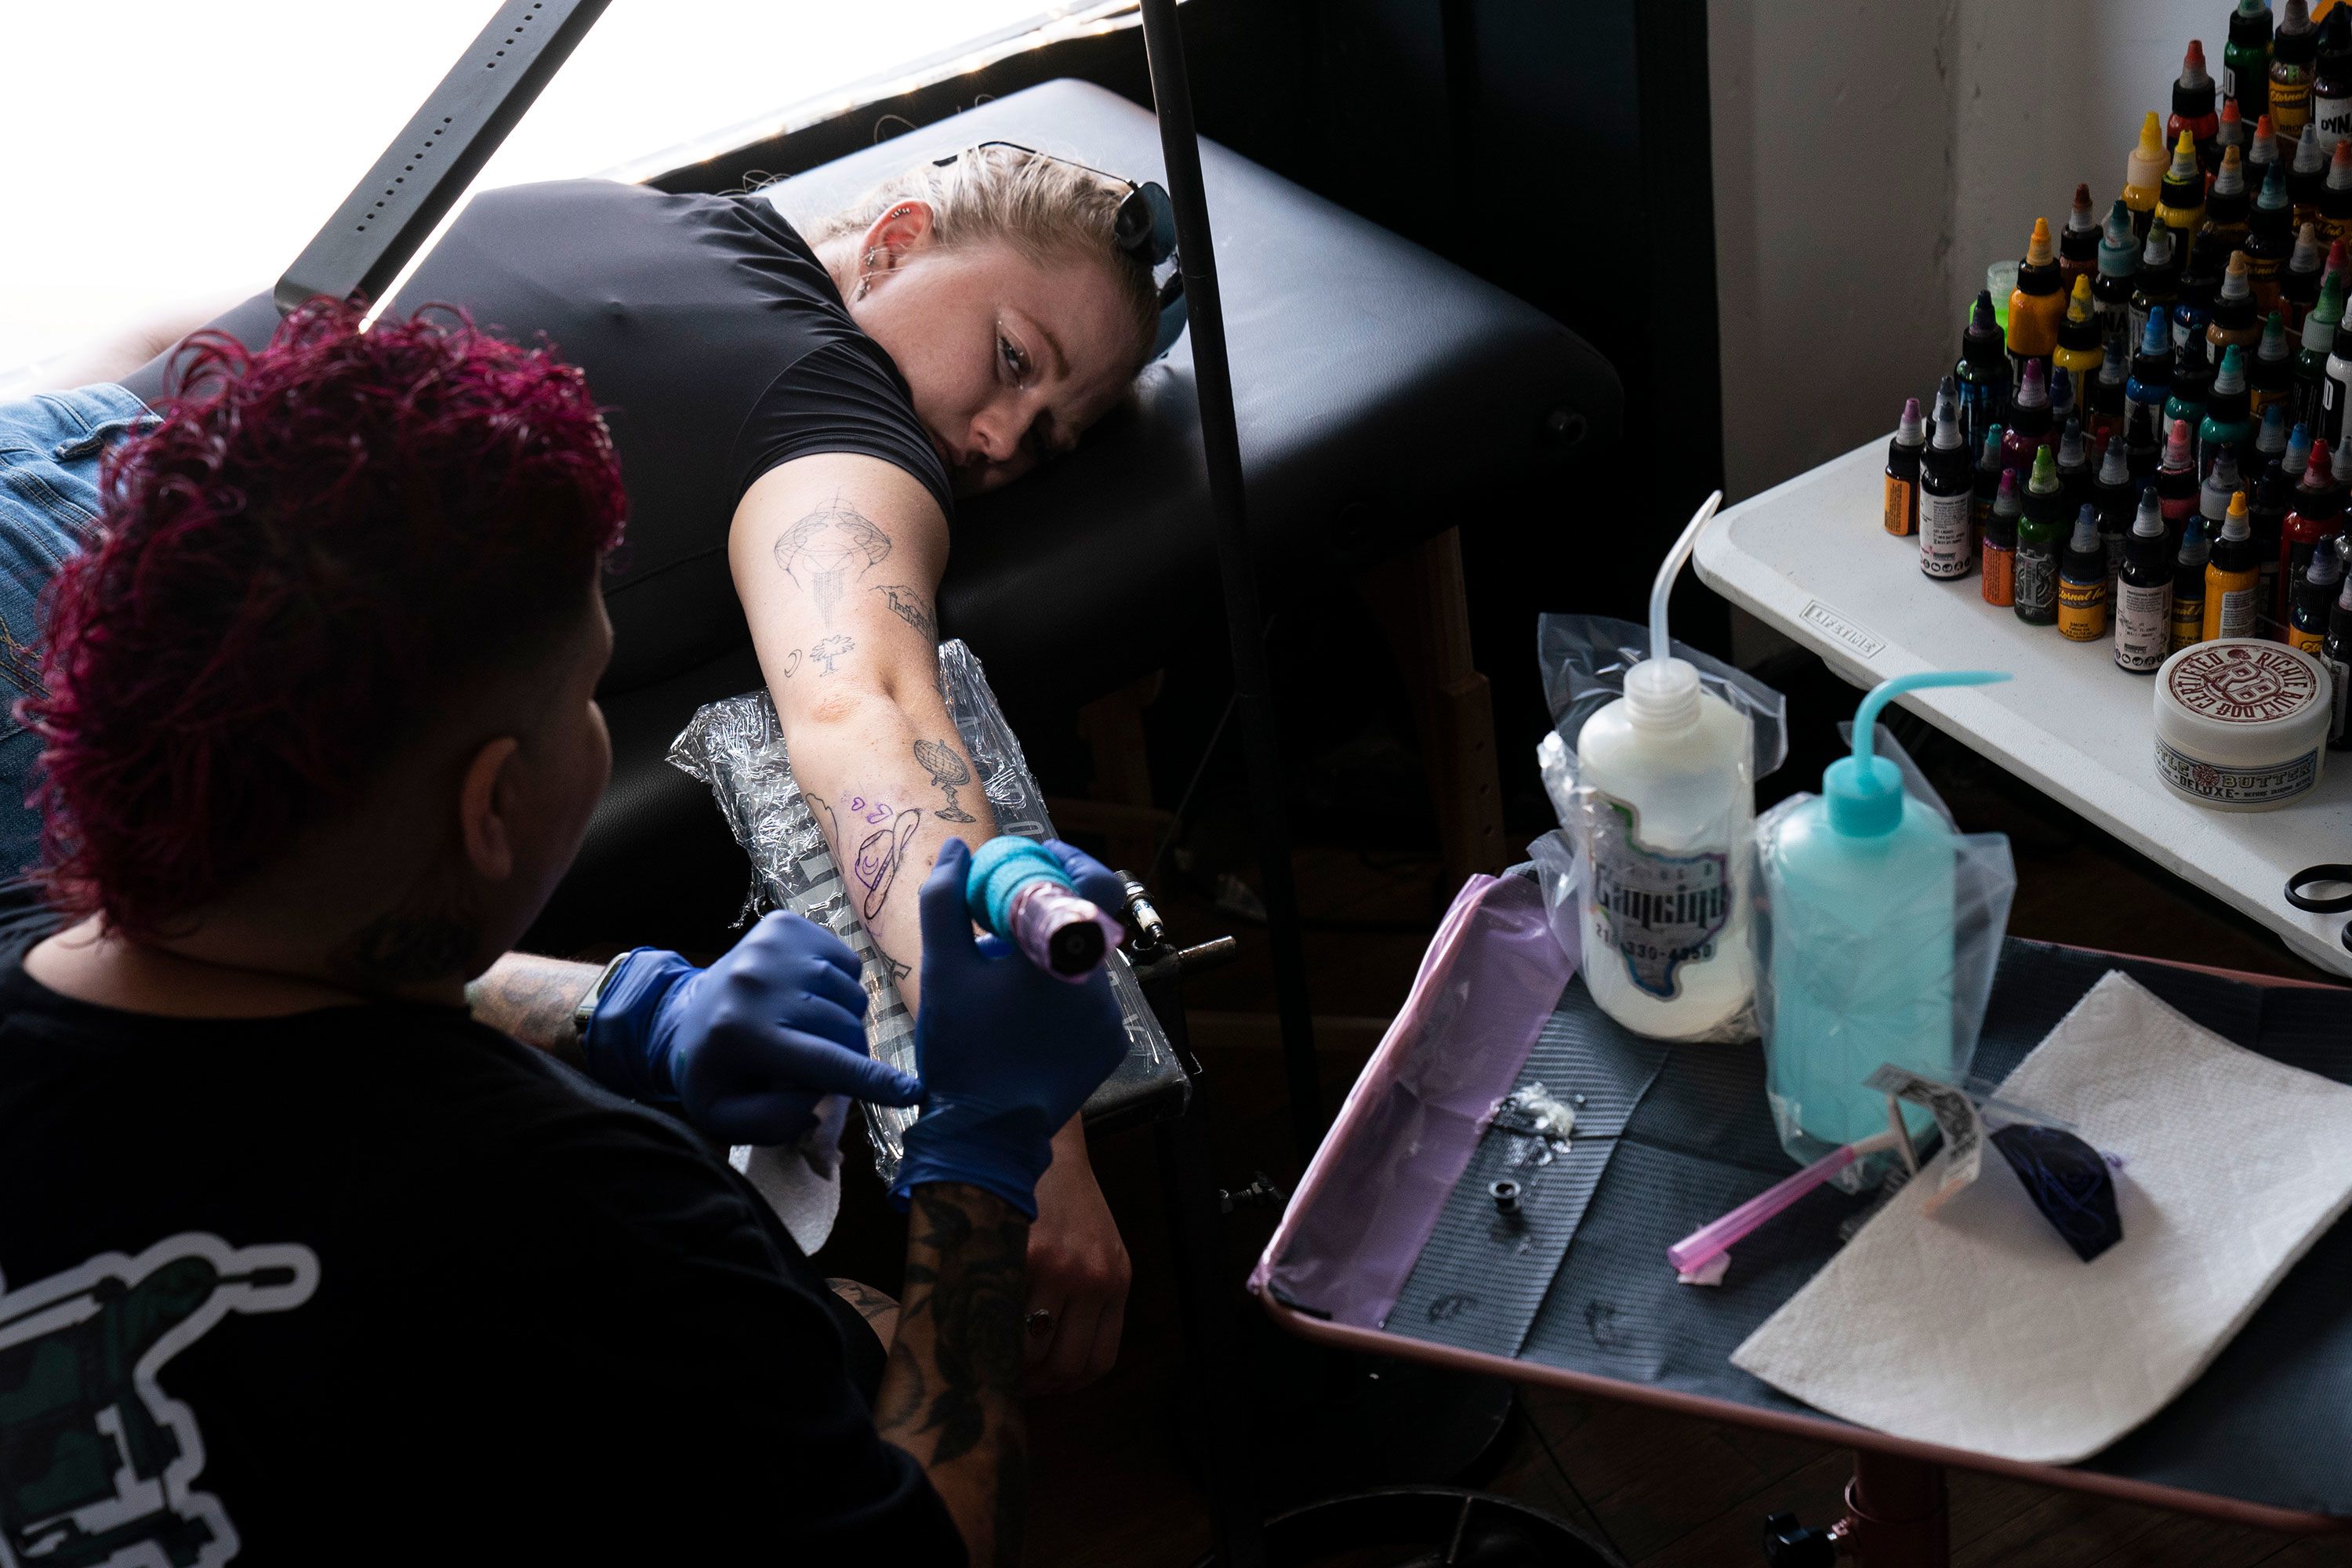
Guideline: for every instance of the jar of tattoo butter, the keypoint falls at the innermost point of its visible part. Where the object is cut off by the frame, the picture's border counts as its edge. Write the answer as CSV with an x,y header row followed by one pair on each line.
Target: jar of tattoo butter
x,y
2240,723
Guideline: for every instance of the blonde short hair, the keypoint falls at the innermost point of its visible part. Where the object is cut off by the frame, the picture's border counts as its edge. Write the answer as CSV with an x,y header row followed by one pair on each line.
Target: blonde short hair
x,y
1048,210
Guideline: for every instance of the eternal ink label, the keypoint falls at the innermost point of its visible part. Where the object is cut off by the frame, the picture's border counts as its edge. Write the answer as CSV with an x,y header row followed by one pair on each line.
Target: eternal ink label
x,y
1658,911
2237,613
2311,643
1902,505
2187,622
2142,633
2082,610
1945,535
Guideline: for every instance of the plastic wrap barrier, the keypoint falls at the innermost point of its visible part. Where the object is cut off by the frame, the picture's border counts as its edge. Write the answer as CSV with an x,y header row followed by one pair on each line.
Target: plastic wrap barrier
x,y
1983,881
1585,660
737,747
1488,981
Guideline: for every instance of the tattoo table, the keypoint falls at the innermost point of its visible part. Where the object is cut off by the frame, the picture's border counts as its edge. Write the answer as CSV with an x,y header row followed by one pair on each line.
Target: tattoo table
x,y
1393,1243
1810,560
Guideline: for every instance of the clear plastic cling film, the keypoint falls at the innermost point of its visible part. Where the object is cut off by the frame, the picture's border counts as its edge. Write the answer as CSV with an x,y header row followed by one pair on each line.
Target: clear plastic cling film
x,y
737,747
1844,986
1585,659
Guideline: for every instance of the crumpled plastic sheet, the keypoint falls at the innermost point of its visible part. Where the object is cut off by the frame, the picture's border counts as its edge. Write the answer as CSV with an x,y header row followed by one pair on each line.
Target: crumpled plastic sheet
x,y
737,747
1984,882
1585,659
1490,979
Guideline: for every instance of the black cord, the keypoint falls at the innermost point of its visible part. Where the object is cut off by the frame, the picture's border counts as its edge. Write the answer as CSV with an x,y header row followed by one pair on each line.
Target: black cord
x,y
1561,1471
1176,819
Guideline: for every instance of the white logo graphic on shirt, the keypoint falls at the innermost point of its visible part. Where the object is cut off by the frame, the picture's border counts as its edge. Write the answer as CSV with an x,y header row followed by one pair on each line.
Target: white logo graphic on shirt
x,y
96,1461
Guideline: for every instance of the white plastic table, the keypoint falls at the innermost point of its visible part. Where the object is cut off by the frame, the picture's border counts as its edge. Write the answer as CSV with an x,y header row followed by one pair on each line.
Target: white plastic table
x,y
1811,559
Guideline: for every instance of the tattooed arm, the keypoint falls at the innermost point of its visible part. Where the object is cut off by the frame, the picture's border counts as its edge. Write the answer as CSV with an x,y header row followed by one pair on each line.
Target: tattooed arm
x,y
532,999
837,559
950,1395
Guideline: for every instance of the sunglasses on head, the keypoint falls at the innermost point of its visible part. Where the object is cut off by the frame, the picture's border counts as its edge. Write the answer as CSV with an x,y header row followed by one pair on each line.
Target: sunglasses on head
x,y
1145,228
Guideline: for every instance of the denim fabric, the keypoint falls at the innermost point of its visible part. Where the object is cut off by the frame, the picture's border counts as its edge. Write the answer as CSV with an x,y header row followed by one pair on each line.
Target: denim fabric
x,y
49,450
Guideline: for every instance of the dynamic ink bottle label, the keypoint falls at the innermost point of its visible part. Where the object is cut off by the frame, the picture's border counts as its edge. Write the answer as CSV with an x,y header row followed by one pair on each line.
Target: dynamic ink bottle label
x,y
1658,911
2037,583
2142,628
2236,616
1945,535
1902,504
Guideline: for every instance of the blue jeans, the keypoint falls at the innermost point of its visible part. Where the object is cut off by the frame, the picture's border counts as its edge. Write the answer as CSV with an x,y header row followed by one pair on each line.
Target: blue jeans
x,y
49,450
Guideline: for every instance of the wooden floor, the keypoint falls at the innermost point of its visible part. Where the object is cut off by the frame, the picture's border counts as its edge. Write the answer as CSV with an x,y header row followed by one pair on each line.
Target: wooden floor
x,y
1113,1485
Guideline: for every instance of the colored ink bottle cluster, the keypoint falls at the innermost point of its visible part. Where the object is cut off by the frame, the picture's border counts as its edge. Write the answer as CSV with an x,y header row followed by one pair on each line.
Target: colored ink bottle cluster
x,y
2142,441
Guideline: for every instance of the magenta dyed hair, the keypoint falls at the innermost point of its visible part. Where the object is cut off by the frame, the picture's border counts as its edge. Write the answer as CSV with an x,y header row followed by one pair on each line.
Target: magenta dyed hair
x,y
320,546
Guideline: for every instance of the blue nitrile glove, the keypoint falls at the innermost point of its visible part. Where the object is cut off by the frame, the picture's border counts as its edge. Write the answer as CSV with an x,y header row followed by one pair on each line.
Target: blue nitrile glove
x,y
1007,1052
1098,883
747,1046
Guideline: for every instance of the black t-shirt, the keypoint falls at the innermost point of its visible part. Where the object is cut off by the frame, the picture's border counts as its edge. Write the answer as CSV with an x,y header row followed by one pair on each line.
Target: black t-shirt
x,y
378,1284
718,346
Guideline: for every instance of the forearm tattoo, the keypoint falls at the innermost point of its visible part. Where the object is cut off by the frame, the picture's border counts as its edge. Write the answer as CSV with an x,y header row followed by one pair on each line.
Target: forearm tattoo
x,y
832,649
951,1391
827,549
909,605
949,772
532,999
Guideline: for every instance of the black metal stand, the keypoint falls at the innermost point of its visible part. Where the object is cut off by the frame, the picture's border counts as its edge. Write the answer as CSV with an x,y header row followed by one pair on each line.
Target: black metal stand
x,y
392,211
1172,99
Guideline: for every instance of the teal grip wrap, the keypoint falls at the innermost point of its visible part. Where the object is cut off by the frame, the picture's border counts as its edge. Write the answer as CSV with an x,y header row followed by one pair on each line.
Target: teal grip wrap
x,y
1002,868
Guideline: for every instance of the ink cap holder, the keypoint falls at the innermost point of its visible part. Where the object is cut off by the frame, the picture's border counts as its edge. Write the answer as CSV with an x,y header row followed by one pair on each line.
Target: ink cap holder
x,y
1018,890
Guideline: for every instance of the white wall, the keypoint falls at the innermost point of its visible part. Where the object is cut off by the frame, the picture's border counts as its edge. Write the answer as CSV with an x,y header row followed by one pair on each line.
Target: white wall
x,y
1872,158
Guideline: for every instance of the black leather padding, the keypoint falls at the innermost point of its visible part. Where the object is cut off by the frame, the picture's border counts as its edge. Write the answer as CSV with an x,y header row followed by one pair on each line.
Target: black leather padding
x,y
1378,386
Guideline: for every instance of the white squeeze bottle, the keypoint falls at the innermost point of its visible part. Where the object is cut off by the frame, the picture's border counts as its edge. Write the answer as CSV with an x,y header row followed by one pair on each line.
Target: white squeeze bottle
x,y
1665,909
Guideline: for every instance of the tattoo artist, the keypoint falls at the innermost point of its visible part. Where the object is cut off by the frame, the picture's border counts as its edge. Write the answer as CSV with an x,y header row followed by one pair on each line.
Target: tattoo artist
x,y
319,737
796,406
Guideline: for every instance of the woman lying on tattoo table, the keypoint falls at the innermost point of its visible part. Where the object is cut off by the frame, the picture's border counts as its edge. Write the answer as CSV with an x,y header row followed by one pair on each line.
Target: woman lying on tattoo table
x,y
303,1264
795,411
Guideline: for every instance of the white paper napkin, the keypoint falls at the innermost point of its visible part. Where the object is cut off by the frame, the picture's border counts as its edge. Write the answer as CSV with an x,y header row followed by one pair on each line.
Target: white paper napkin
x,y
1979,1328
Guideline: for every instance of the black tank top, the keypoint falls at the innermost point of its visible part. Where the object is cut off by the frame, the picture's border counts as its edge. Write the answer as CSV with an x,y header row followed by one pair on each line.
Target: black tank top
x,y
717,346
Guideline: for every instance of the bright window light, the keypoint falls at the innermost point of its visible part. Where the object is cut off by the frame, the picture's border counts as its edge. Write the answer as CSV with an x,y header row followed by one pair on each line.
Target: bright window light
x,y
154,153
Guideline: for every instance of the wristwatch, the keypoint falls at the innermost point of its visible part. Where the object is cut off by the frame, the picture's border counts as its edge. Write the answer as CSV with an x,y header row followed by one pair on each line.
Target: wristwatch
x,y
585,1014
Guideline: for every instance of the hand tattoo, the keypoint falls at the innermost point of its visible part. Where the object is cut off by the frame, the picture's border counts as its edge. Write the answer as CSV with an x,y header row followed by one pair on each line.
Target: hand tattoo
x,y
878,858
831,648
949,772
910,607
824,550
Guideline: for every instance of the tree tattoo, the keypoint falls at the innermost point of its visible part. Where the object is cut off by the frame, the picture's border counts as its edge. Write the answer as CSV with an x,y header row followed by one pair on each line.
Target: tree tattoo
x,y
825,548
880,856
910,607
831,648
947,770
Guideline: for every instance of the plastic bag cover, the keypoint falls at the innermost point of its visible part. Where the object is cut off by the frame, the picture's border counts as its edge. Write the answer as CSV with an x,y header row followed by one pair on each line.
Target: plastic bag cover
x,y
737,747
1585,659
1984,881
1488,981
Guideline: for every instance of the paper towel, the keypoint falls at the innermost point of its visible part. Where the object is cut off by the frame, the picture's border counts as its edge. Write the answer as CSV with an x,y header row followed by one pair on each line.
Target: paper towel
x,y
1979,1328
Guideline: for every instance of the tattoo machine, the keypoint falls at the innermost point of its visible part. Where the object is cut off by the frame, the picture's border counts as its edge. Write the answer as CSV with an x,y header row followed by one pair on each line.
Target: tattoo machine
x,y
1018,890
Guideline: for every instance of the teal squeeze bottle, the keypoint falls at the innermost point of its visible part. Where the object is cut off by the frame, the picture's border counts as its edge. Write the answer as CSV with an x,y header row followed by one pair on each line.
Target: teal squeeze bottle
x,y
1859,885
